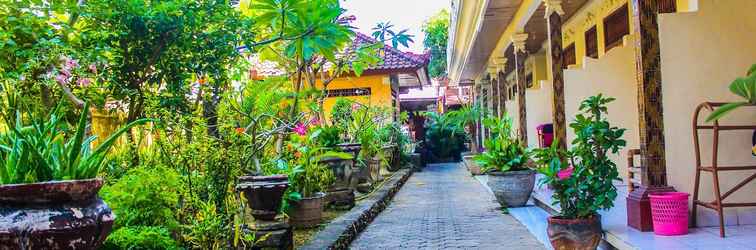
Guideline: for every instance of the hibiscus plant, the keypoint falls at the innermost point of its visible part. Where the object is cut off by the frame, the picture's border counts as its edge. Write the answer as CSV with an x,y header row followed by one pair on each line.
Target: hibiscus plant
x,y
504,151
582,176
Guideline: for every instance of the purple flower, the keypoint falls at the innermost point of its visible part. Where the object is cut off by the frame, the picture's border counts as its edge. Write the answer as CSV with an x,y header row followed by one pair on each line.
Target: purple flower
x,y
93,68
84,82
62,78
565,173
300,129
315,121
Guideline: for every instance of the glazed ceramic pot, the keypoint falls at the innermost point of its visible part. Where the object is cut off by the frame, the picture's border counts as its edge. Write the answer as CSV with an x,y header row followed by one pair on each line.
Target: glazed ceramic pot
x,y
574,234
54,215
264,194
307,212
512,188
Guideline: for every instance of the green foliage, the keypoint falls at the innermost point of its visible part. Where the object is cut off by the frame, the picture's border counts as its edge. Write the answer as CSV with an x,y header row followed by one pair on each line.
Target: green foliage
x,y
436,30
206,229
330,136
146,196
443,137
582,176
504,150
341,113
50,150
140,238
383,31
742,86
307,175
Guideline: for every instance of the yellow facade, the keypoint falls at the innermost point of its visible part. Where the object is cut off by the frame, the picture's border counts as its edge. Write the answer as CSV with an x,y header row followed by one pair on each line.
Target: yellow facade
x,y
380,89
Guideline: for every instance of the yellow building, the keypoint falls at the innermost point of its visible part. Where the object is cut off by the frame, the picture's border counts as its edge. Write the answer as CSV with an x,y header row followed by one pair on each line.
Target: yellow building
x,y
537,59
380,85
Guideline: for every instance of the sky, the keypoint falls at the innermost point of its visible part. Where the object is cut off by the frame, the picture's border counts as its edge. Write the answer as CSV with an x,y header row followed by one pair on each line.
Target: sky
x,y
403,14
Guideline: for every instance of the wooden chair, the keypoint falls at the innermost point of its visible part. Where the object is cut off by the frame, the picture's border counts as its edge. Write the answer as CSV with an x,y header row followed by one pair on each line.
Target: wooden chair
x,y
633,171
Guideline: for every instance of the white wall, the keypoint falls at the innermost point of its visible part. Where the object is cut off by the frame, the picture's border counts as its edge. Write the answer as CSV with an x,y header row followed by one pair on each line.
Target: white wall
x,y
612,75
701,53
539,109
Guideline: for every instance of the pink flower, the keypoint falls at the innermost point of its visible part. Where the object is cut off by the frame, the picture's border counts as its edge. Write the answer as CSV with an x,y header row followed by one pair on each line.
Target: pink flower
x,y
93,68
300,129
84,82
565,173
355,106
62,78
315,121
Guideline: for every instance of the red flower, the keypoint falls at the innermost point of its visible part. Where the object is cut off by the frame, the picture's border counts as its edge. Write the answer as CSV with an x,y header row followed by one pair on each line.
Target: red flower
x,y
240,130
565,173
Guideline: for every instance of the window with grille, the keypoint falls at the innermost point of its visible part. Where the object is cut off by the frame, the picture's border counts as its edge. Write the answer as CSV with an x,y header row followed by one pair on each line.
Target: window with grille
x,y
591,42
616,25
568,56
349,92
667,6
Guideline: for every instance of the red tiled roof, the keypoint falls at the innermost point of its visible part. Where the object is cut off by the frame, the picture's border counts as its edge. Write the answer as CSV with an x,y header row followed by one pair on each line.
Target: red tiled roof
x,y
393,58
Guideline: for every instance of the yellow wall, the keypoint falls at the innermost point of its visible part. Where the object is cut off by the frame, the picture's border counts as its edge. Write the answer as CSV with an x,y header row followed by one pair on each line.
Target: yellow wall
x,y
701,53
613,75
380,87
592,14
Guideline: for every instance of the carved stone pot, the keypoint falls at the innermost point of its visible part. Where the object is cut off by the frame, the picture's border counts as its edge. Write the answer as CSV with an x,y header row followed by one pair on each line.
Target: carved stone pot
x,y
471,165
54,215
374,169
392,153
574,234
307,212
352,148
341,193
512,188
264,194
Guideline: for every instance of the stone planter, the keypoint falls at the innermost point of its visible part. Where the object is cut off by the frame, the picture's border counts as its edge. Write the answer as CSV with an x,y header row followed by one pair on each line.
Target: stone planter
x,y
54,215
574,234
392,154
512,188
374,169
307,212
264,194
352,148
417,162
341,193
471,165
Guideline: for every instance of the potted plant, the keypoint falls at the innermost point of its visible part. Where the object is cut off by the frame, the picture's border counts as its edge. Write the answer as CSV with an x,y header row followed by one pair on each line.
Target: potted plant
x,y
582,177
49,184
505,161
309,178
341,192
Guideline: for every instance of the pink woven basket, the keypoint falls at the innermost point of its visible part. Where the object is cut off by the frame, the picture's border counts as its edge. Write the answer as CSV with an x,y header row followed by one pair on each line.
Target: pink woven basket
x,y
669,211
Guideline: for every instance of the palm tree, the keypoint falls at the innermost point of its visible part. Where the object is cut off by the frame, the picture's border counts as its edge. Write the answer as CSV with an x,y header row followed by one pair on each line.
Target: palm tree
x,y
466,117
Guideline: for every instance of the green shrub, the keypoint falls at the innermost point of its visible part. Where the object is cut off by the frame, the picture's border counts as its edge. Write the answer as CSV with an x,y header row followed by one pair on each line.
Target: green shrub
x,y
145,196
138,238
443,138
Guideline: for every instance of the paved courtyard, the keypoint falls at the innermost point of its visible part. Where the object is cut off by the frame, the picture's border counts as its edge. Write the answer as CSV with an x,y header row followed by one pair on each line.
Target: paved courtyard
x,y
443,207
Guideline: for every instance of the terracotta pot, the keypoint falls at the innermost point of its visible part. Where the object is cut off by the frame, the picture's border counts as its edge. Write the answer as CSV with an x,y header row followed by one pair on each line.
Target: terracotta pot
x,y
574,234
54,215
307,212
471,165
512,188
264,194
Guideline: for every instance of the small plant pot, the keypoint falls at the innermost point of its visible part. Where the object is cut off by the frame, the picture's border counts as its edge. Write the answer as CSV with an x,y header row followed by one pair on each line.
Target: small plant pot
x,y
264,194
307,212
54,215
512,188
471,165
574,234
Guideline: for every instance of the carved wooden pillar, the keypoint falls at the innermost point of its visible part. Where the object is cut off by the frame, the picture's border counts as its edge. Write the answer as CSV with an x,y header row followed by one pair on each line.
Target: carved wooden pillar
x,y
500,63
494,93
651,122
554,14
518,40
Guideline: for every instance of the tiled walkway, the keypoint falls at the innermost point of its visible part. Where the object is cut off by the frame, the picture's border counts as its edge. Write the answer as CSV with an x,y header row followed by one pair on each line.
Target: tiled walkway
x,y
443,207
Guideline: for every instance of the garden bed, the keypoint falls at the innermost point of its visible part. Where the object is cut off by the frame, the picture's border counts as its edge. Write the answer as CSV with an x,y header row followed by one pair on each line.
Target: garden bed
x,y
339,232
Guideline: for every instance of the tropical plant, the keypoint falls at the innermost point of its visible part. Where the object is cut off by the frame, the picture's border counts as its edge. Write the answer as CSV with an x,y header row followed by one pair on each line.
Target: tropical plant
x,y
49,150
341,113
436,30
141,238
582,176
466,117
504,150
383,31
443,137
742,86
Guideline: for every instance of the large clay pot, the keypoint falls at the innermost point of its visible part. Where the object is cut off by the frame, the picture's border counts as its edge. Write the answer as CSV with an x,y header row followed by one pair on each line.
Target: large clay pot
x,y
307,212
512,188
574,234
264,194
54,215
471,165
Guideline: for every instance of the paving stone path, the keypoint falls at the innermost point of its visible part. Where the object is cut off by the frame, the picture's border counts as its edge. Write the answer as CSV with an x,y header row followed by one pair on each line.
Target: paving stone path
x,y
443,207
